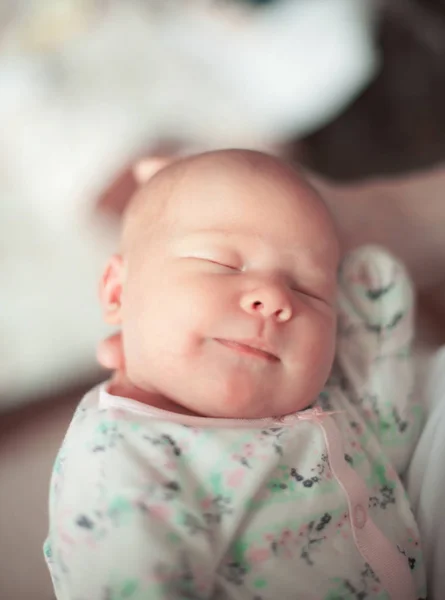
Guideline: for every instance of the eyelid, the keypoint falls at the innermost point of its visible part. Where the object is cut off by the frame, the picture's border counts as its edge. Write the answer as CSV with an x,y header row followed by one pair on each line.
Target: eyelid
x,y
212,251
231,260
222,264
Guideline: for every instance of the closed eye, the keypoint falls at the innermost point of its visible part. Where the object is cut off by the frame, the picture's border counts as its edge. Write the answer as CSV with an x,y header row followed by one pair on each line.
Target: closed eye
x,y
232,266
222,264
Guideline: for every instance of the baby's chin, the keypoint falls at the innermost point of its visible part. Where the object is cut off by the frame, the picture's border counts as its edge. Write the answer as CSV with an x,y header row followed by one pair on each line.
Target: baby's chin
x,y
216,407
215,397
236,398
242,408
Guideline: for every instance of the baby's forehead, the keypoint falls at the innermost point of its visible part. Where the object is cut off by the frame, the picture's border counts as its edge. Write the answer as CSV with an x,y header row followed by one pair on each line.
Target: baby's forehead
x,y
231,184
224,193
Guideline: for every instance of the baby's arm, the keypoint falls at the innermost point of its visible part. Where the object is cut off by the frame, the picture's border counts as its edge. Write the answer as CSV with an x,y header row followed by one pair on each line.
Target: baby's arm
x,y
142,555
375,348
126,531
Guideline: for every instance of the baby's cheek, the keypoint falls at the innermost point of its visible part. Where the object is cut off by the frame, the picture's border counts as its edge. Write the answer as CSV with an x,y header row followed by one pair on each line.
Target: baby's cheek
x,y
314,344
201,302
322,324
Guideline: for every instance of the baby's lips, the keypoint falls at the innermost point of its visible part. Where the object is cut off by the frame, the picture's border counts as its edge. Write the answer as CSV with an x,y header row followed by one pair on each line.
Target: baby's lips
x,y
251,346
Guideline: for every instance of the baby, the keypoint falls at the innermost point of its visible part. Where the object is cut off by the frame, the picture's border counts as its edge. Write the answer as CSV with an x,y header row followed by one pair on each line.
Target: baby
x,y
235,457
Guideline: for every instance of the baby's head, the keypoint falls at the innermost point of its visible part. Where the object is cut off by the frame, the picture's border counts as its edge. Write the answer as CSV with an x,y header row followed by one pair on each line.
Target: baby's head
x,y
225,287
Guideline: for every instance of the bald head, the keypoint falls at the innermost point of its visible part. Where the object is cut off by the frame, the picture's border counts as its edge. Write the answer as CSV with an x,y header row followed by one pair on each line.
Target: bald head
x,y
221,247
218,173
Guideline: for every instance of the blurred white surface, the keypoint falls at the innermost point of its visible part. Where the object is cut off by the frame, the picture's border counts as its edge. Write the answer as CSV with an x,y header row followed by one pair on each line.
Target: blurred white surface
x,y
78,101
426,479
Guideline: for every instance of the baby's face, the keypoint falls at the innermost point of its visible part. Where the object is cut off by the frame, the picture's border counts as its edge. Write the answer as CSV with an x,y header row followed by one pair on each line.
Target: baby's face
x,y
228,304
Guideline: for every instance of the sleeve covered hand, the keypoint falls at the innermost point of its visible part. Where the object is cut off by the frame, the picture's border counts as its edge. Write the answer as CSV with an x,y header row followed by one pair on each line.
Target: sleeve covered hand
x,y
375,348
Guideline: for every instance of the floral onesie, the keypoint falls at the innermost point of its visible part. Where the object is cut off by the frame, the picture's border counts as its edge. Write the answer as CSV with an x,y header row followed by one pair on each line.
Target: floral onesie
x,y
147,504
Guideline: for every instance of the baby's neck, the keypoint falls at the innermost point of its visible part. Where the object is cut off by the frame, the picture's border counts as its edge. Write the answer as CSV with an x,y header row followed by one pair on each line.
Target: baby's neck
x,y
124,388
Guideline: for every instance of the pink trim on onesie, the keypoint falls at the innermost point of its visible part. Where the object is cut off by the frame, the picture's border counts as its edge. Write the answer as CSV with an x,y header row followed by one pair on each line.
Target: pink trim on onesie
x,y
388,563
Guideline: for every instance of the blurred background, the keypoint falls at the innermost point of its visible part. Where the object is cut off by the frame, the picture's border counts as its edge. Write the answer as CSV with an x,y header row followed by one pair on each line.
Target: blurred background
x,y
353,90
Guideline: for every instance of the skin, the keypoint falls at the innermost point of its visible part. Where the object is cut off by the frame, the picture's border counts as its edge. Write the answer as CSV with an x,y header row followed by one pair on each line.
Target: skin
x,y
224,289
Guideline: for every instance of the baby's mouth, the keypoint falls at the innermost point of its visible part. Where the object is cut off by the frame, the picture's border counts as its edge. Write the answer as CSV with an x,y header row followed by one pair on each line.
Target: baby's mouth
x,y
252,348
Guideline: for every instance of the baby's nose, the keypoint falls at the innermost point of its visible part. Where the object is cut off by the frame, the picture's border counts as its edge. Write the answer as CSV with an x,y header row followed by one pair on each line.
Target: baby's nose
x,y
268,302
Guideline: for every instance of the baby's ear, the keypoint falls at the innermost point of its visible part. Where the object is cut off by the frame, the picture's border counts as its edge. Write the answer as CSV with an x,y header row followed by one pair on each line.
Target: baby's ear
x,y
146,168
110,290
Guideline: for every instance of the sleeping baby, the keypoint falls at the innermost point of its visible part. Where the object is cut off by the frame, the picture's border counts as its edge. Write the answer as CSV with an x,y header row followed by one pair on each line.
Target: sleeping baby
x,y
252,446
